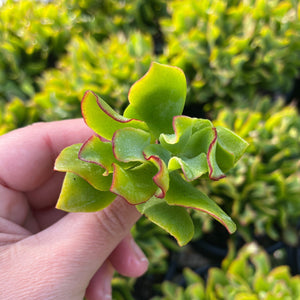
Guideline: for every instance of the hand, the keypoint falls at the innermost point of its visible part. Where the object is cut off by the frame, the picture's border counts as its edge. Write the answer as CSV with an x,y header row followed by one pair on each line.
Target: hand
x,y
46,253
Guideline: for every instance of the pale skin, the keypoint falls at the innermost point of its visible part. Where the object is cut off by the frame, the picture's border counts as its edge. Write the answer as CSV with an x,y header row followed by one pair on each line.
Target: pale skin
x,y
46,253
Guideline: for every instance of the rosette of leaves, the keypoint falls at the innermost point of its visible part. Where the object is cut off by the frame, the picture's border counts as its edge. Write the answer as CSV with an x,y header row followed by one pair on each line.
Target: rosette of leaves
x,y
262,192
150,156
231,50
247,275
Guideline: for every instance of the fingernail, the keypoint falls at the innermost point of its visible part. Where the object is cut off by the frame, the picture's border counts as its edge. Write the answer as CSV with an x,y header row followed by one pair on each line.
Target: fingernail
x,y
108,297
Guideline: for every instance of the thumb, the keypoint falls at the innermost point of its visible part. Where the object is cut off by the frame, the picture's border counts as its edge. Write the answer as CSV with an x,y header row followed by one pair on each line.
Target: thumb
x,y
63,258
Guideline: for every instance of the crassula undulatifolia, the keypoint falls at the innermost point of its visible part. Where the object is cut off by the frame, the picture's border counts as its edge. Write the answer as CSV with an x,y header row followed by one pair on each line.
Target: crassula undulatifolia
x,y
151,156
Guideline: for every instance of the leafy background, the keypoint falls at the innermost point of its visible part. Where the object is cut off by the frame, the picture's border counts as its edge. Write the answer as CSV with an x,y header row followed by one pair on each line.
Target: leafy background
x,y
241,60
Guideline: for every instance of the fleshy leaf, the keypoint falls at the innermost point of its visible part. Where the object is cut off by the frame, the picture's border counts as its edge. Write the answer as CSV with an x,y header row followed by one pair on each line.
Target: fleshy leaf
x,y
77,195
199,142
230,148
68,161
192,168
215,173
182,193
183,128
98,152
174,219
135,185
129,143
101,118
157,150
161,178
157,97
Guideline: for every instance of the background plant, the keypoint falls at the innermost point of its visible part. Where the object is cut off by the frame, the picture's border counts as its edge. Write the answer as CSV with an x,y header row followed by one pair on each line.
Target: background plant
x,y
232,50
262,192
247,274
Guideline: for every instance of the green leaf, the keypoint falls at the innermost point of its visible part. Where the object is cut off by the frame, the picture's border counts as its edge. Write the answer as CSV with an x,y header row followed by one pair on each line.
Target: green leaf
x,y
230,148
192,168
161,178
184,127
68,161
215,173
174,219
157,97
96,151
135,185
129,143
77,195
182,193
100,117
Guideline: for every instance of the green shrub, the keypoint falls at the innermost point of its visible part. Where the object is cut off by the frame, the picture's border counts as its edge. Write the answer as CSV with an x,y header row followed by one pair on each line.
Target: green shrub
x,y
262,192
109,69
33,35
231,50
247,275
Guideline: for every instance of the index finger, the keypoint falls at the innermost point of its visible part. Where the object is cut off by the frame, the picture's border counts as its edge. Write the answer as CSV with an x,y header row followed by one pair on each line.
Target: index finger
x,y
27,155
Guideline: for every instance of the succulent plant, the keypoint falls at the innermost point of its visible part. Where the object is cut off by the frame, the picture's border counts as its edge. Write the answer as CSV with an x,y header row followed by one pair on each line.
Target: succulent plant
x,y
262,192
247,275
150,156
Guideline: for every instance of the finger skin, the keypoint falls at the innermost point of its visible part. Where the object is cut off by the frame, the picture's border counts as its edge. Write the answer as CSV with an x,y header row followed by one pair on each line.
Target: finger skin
x,y
60,261
66,255
33,150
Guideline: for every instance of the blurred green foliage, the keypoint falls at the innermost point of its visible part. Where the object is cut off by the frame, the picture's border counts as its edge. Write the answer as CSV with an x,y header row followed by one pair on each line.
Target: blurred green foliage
x,y
262,192
247,274
231,50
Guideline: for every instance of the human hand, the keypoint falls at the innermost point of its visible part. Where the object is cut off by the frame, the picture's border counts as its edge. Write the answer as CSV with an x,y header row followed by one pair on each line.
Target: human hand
x,y
46,253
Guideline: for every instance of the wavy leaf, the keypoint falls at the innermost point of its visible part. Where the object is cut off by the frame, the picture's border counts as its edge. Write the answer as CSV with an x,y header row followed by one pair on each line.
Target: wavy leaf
x,y
128,144
192,168
174,219
183,127
135,185
101,118
77,195
230,148
182,193
68,161
157,97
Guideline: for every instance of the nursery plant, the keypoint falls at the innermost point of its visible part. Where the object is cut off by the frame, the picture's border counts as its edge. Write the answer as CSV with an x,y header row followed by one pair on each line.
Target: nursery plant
x,y
262,192
232,50
151,156
119,61
247,274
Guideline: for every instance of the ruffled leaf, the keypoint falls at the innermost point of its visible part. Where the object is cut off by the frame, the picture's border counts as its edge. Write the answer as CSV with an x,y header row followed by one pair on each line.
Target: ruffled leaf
x,y
101,118
192,168
157,97
182,193
135,185
161,178
77,195
230,148
129,143
215,173
183,128
174,219
68,161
